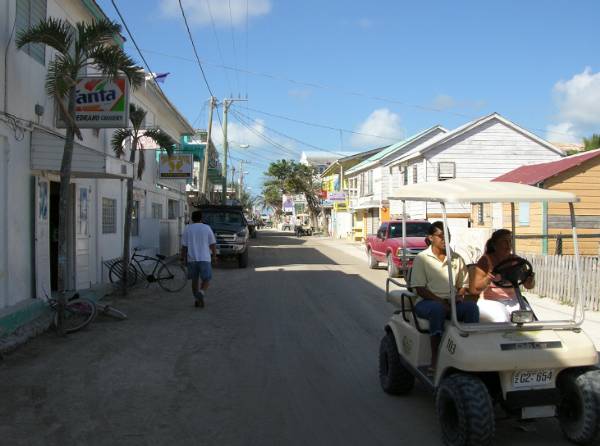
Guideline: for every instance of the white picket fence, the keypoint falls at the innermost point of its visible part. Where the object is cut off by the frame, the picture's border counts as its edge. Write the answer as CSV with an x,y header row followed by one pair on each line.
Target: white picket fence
x,y
555,278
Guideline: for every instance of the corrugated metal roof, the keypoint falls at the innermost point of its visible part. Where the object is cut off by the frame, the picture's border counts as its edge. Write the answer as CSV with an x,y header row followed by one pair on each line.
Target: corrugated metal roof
x,y
537,173
389,150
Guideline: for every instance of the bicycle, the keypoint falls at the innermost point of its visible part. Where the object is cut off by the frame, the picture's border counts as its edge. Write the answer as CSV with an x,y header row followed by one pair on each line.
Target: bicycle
x,y
170,277
78,312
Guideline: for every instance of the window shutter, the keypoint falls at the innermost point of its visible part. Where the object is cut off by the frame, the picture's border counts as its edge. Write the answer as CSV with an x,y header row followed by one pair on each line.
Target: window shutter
x,y
30,13
446,170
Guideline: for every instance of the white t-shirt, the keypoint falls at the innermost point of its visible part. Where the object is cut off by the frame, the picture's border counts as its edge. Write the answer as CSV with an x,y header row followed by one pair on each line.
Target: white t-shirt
x,y
198,237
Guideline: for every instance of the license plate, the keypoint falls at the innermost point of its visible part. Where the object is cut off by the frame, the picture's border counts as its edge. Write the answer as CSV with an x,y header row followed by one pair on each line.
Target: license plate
x,y
532,378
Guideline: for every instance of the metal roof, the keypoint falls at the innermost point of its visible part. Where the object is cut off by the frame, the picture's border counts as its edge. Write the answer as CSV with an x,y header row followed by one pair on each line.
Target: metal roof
x,y
537,173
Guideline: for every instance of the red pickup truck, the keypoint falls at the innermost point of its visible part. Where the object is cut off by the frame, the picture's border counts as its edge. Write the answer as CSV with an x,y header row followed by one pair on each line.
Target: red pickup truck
x,y
386,245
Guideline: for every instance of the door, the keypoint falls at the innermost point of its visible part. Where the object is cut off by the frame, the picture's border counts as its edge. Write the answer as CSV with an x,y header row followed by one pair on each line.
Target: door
x,y
42,237
82,237
379,242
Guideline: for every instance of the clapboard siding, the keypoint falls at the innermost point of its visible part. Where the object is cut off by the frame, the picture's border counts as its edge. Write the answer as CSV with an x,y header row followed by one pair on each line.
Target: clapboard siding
x,y
489,151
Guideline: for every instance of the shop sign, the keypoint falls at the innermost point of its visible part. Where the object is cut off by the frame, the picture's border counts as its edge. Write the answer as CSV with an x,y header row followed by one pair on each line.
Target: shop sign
x,y
176,166
287,203
99,103
336,196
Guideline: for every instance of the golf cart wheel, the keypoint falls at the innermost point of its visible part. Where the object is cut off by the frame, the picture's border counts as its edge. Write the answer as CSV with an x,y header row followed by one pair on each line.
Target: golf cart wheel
x,y
371,260
393,270
243,259
465,411
579,409
395,379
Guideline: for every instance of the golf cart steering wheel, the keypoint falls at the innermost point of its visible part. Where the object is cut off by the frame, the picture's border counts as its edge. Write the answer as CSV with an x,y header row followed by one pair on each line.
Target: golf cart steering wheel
x,y
514,271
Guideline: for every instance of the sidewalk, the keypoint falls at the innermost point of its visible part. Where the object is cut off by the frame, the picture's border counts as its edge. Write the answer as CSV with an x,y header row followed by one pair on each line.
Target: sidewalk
x,y
545,309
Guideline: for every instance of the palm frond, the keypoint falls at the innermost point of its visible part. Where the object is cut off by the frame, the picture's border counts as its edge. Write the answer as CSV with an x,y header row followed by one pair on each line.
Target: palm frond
x,y
136,116
55,33
113,60
118,140
58,78
97,33
163,140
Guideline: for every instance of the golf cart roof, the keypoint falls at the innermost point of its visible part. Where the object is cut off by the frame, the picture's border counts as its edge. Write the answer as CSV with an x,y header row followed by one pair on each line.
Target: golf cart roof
x,y
479,191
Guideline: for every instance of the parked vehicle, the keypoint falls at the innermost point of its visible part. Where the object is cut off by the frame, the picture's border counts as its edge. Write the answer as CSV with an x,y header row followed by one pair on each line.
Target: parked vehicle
x,y
526,368
253,226
231,230
387,246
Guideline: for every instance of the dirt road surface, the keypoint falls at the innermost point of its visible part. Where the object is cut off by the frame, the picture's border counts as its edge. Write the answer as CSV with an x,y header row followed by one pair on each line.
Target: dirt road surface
x,y
285,353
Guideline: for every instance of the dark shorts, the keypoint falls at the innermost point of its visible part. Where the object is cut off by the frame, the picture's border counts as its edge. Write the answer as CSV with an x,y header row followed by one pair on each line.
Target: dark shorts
x,y
200,270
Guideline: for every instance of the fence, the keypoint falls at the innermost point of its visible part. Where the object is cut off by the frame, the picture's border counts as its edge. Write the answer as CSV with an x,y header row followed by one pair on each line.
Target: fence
x,y
555,278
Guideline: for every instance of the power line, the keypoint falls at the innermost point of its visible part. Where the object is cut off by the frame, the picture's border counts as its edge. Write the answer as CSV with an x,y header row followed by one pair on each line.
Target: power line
x,y
320,149
237,76
136,46
194,47
214,28
350,93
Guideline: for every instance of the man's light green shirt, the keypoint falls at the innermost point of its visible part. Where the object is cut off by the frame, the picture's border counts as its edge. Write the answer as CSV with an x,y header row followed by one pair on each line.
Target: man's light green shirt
x,y
430,272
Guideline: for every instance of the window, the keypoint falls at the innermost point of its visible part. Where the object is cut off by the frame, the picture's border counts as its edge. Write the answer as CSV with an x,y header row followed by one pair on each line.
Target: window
x,y
369,185
109,216
446,170
415,172
173,209
479,213
29,13
404,175
135,219
412,229
524,214
157,210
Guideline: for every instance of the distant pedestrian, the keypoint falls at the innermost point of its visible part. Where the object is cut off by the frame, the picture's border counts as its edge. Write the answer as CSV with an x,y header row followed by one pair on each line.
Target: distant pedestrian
x,y
198,248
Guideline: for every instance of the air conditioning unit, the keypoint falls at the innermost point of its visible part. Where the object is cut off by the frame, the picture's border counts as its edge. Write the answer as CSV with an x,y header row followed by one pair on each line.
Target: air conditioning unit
x,y
446,170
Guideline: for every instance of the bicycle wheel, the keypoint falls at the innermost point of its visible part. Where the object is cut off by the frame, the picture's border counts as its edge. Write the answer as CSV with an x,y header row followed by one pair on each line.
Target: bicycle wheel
x,y
172,278
115,274
78,314
108,310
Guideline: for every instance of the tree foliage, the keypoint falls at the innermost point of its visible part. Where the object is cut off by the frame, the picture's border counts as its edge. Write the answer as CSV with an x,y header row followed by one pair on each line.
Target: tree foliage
x,y
591,143
290,177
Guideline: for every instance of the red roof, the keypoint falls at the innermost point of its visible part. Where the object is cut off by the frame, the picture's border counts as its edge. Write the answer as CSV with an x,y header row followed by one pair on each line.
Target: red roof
x,y
536,173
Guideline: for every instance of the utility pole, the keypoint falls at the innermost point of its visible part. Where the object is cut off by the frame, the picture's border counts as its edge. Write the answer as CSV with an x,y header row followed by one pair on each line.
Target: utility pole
x,y
241,186
226,104
207,149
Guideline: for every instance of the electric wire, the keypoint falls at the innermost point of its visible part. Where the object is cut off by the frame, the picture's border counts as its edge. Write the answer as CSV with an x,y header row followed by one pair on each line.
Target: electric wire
x,y
235,59
214,28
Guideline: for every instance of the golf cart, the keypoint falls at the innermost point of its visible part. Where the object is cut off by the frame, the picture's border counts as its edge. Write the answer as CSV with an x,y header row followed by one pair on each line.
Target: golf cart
x,y
528,368
302,226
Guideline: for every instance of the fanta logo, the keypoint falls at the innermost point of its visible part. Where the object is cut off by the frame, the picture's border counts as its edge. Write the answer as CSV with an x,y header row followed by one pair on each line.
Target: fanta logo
x,y
96,96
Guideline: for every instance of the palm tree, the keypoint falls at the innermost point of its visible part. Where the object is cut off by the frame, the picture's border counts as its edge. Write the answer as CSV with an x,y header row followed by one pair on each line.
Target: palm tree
x,y
133,134
86,44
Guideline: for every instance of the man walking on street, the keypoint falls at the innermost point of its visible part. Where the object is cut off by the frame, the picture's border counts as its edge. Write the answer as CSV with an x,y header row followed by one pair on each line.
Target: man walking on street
x,y
199,247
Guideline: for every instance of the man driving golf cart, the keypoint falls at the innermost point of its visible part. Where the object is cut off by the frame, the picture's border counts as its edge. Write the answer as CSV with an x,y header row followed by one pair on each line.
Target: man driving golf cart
x,y
523,367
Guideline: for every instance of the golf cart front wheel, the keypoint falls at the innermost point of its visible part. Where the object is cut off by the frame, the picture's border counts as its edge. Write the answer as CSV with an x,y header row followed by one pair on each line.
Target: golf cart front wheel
x,y
579,409
395,379
465,411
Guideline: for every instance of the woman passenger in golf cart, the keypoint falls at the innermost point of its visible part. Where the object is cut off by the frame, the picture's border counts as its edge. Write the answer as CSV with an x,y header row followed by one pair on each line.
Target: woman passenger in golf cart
x,y
496,303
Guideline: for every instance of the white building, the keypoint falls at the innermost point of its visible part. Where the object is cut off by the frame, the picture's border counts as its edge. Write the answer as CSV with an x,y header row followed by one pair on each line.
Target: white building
x,y
30,155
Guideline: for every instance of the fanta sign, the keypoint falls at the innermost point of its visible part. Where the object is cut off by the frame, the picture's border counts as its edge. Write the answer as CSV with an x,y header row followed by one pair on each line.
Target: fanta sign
x,y
100,103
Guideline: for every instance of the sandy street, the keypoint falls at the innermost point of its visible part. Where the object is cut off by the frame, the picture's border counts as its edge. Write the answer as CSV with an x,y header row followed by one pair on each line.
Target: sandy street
x,y
285,353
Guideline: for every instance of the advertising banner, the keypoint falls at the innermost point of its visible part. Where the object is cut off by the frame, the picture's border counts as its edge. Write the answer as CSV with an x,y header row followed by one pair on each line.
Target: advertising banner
x,y
287,203
336,196
177,166
100,103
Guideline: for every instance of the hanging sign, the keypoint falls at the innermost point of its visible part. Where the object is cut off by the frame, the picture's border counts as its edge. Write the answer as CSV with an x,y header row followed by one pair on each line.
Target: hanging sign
x,y
336,196
99,103
177,166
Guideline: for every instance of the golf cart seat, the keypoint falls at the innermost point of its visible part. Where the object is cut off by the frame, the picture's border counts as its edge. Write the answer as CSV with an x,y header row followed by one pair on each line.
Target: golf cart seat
x,y
405,300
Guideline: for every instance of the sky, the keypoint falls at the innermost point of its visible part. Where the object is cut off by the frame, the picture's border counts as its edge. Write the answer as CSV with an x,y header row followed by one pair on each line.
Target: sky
x,y
340,76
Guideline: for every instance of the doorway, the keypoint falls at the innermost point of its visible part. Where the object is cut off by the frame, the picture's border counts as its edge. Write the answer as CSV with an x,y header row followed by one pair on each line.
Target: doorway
x,y
54,207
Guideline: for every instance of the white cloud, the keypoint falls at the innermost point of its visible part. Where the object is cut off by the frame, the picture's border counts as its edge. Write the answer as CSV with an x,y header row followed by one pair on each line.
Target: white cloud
x,y
198,12
446,102
365,23
578,102
382,123
300,93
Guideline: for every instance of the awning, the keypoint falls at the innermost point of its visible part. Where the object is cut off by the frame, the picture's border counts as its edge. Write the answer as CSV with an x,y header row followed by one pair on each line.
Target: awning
x,y
368,205
47,151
